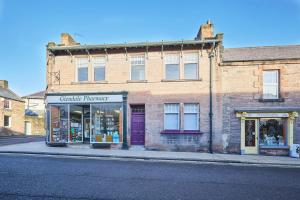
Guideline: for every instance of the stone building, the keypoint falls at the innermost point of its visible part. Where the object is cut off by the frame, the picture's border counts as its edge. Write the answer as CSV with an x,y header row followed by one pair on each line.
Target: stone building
x,y
11,111
189,95
35,113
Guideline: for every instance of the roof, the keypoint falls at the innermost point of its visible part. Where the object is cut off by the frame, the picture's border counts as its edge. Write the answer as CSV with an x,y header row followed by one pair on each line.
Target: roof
x,y
262,53
7,93
132,45
37,95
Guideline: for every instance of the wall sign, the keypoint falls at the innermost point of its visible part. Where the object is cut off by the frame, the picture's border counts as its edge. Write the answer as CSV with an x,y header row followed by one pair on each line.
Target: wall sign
x,y
84,99
274,115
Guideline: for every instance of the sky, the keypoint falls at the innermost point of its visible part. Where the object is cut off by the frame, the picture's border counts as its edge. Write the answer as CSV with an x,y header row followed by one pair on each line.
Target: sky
x,y
26,26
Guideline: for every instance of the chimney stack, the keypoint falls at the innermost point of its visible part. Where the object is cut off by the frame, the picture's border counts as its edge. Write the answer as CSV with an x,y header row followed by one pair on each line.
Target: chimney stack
x,y
206,31
4,84
67,40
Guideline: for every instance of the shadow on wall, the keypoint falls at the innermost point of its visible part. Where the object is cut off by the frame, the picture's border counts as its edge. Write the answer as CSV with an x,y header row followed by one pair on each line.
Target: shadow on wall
x,y
8,132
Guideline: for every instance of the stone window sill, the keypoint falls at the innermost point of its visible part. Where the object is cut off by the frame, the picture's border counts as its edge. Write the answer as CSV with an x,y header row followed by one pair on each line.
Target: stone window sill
x,y
137,81
178,132
274,147
181,80
271,100
89,82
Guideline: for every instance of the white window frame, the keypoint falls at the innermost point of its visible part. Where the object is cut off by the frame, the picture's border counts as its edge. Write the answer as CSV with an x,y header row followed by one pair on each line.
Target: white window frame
x,y
9,104
267,86
197,113
79,65
172,59
191,58
178,115
9,121
100,64
137,60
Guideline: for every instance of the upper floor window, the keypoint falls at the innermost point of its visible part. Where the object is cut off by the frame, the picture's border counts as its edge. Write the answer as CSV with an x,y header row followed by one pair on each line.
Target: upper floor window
x,y
171,118
138,67
7,121
99,68
270,84
172,67
82,69
7,104
191,116
191,66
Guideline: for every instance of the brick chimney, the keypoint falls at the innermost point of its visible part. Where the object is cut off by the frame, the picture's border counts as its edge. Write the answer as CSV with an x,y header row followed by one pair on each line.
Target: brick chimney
x,y
206,31
67,40
4,84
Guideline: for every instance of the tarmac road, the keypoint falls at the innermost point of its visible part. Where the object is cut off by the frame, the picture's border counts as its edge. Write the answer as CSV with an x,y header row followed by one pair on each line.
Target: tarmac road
x,y
44,177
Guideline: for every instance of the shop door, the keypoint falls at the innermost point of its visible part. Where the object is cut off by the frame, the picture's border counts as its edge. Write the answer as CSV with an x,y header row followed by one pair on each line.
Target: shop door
x,y
251,136
138,125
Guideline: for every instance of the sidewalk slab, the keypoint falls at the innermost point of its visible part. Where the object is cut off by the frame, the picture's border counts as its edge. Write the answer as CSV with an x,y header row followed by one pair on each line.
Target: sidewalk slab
x,y
84,150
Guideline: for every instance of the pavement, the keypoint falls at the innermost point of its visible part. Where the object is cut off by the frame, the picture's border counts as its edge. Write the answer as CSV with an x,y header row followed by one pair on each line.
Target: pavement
x,y
65,178
84,150
16,139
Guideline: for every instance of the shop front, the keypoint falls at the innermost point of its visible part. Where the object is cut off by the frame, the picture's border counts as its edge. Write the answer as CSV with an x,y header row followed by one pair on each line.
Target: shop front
x,y
86,118
266,133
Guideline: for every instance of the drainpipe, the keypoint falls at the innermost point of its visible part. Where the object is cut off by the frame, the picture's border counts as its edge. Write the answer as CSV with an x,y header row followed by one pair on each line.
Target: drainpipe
x,y
211,60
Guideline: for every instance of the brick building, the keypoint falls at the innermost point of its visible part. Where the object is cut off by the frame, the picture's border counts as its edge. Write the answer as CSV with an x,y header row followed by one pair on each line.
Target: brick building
x,y
11,111
189,95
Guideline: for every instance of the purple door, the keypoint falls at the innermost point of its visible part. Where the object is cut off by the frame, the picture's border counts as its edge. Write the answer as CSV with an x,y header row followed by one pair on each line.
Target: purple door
x,y
138,125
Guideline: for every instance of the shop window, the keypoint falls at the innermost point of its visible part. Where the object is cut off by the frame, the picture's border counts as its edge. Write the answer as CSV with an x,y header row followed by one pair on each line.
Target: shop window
x,y
7,121
106,123
191,66
138,68
99,68
191,116
59,123
270,84
7,104
273,132
172,67
82,69
171,116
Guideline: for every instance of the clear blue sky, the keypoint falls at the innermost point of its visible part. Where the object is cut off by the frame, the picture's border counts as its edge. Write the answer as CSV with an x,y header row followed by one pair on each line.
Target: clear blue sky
x,y
27,25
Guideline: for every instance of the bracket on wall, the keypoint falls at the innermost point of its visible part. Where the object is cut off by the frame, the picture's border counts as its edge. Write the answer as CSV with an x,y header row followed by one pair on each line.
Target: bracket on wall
x,y
181,49
147,48
202,50
69,52
87,51
126,53
162,49
106,53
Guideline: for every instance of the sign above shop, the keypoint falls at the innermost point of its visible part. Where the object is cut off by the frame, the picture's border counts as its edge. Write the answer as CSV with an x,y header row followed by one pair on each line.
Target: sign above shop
x,y
262,115
84,99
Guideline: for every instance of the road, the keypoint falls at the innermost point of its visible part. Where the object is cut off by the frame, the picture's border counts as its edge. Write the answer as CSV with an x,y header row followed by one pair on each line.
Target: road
x,y
7,140
32,177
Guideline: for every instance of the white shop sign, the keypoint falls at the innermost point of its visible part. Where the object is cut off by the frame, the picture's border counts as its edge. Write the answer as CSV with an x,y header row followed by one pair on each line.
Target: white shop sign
x,y
84,99
271,115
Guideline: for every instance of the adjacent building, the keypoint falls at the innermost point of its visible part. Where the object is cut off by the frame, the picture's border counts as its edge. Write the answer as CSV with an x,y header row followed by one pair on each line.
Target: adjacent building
x,y
34,113
11,111
188,95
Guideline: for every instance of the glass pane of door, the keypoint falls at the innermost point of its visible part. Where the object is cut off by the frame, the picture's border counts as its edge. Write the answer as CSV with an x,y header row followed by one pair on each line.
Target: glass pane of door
x,y
250,133
76,118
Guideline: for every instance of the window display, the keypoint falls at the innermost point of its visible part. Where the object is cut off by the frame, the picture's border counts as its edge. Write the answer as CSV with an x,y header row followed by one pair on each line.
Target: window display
x,y
106,123
272,132
59,123
76,129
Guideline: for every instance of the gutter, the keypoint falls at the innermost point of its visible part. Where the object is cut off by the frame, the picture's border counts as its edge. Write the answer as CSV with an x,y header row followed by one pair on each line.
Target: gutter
x,y
211,60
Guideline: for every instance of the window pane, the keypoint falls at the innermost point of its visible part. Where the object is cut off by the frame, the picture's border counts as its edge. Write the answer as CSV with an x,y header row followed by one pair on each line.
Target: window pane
x,y
138,72
270,84
6,121
191,58
190,122
172,59
99,73
171,108
138,60
59,123
172,71
273,132
171,122
98,61
83,74
191,71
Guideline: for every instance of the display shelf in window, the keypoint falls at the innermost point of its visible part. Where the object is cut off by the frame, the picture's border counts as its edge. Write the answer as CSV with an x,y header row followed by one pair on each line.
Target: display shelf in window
x,y
59,124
